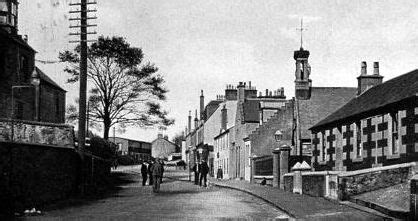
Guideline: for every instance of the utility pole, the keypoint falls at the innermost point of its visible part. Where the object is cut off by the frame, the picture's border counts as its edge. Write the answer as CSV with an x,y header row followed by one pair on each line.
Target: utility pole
x,y
83,25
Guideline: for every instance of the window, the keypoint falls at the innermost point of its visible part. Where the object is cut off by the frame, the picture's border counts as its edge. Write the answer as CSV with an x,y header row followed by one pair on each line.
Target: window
x,y
323,146
358,146
3,6
395,133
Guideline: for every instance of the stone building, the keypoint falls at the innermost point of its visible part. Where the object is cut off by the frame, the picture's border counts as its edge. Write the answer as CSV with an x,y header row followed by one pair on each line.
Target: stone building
x,y
293,120
26,93
139,150
162,147
378,127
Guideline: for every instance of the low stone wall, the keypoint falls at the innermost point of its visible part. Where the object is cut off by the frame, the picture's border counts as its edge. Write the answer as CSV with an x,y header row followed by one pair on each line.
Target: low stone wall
x,y
313,185
357,182
259,179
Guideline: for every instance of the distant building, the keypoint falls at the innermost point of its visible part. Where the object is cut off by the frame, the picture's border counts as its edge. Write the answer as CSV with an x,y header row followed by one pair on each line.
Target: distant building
x,y
139,150
26,93
162,147
379,127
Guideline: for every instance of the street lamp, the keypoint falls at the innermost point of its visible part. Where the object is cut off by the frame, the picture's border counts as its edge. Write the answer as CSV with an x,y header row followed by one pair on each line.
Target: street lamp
x,y
278,136
36,81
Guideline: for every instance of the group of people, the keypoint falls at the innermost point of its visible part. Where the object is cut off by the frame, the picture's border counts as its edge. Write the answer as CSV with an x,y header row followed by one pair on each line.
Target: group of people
x,y
201,171
154,173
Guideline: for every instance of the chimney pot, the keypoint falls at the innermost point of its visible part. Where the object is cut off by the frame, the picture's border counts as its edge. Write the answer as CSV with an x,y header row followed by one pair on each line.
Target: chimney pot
x,y
267,92
376,68
363,68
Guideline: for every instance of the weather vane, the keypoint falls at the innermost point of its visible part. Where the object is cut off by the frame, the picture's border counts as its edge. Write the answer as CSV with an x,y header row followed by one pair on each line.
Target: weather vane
x,y
301,29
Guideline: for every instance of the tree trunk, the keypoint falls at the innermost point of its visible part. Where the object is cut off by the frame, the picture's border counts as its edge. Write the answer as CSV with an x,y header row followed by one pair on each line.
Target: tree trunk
x,y
106,126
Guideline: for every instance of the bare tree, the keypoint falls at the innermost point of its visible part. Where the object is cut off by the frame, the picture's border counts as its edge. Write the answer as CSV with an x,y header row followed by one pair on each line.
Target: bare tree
x,y
123,90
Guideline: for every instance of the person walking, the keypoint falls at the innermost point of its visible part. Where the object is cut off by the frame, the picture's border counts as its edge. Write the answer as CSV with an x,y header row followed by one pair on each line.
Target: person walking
x,y
157,172
220,173
150,182
196,173
162,171
204,170
144,172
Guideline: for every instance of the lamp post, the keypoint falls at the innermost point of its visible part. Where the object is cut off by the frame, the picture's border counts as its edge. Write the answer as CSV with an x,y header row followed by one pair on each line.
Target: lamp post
x,y
36,81
280,160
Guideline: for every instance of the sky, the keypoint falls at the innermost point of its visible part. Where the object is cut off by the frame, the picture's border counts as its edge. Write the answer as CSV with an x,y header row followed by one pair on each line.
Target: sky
x,y
207,44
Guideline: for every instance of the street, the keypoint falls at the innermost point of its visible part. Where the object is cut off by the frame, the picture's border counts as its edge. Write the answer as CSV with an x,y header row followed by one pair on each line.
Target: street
x,y
176,200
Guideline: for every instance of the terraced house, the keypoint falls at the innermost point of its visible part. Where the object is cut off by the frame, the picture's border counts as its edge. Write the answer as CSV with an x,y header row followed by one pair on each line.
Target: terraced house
x,y
379,127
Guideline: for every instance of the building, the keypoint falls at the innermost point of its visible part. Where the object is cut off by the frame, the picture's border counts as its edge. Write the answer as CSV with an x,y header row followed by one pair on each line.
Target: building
x,y
139,150
162,147
26,93
225,137
378,127
293,120
244,111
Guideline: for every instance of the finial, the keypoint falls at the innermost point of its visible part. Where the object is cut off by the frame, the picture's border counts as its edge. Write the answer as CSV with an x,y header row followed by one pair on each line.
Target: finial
x,y
301,29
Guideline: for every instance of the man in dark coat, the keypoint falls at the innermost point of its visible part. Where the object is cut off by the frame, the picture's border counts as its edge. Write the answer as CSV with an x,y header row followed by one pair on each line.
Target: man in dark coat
x,y
157,172
144,172
196,173
151,181
204,170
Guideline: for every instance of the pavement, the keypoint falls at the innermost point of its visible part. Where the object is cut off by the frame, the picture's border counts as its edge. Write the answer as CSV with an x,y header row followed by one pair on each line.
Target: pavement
x,y
300,207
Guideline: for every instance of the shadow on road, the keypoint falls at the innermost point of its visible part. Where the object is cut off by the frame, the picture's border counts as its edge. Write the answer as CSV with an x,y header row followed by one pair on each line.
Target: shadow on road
x,y
113,187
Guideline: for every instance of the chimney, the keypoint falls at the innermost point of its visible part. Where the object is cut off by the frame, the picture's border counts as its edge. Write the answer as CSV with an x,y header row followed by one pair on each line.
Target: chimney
x,y
363,68
230,93
202,105
271,93
375,68
166,137
160,135
365,81
224,118
241,92
260,94
189,125
267,92
195,120
249,84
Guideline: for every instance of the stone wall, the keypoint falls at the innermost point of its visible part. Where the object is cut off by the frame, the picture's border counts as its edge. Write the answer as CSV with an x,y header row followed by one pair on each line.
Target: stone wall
x,y
36,133
313,185
364,181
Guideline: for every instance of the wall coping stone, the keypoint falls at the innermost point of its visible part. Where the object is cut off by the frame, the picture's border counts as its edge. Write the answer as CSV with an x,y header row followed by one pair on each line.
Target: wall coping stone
x,y
376,169
261,177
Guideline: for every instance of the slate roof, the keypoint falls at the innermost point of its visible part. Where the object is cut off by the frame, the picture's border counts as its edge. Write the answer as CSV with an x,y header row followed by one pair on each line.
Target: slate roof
x,y
251,111
389,92
323,102
47,79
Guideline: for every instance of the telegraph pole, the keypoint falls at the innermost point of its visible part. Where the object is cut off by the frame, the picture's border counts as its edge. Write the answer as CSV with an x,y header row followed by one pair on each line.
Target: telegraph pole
x,y
83,25
81,8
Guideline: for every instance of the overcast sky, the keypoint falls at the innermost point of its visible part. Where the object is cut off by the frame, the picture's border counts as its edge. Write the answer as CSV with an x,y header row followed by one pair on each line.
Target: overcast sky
x,y
206,44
